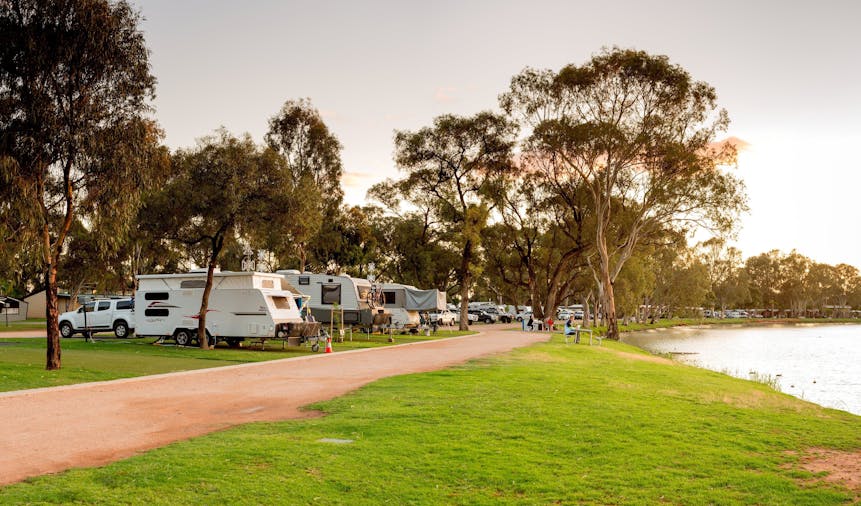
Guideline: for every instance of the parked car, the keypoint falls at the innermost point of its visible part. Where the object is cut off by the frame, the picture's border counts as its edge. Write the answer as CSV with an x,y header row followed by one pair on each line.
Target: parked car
x,y
483,316
524,315
100,316
455,311
444,317
500,315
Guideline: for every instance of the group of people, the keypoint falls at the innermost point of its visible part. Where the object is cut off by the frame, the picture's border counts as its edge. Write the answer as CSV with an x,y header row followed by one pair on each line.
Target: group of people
x,y
571,327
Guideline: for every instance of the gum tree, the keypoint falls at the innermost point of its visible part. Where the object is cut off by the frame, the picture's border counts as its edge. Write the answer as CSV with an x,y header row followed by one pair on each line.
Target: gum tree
x,y
456,166
74,140
639,134
220,188
313,189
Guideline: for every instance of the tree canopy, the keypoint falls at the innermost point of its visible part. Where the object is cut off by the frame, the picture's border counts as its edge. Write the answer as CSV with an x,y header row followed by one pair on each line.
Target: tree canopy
x,y
639,134
75,141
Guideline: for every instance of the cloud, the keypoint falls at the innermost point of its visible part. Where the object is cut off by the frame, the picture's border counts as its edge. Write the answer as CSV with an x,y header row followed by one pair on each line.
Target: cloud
x,y
739,144
444,95
329,114
359,179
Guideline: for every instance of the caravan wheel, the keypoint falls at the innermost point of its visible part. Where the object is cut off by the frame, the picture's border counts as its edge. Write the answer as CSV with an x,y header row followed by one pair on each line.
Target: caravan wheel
x,y
182,337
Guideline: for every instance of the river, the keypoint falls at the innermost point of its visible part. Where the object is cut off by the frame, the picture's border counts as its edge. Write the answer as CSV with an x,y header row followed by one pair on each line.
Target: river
x,y
819,363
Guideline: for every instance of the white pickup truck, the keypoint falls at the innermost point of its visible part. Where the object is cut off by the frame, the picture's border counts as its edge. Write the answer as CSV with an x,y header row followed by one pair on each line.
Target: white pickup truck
x,y
100,316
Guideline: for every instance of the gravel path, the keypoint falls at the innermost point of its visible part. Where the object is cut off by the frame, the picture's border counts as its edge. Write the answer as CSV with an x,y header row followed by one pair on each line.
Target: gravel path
x,y
50,430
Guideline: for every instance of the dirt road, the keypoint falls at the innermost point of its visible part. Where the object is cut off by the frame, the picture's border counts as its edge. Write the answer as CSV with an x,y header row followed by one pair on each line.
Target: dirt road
x,y
53,429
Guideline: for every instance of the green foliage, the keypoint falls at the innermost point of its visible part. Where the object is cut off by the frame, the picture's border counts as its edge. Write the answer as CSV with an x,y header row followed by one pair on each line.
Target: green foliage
x,y
312,194
638,133
453,170
75,142
544,425
796,283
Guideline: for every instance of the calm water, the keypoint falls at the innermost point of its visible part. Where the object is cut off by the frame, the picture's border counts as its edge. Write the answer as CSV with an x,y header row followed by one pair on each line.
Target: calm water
x,y
818,363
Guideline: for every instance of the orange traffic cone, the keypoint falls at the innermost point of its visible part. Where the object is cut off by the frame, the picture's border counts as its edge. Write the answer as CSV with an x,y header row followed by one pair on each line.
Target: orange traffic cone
x,y
328,345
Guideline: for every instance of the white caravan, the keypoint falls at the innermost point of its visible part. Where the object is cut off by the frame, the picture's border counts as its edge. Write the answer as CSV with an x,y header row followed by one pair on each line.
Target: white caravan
x,y
356,300
405,302
241,305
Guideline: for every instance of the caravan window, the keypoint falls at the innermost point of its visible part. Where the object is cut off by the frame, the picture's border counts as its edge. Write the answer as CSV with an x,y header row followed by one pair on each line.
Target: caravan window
x,y
331,294
389,298
191,283
156,311
156,296
281,302
304,280
267,283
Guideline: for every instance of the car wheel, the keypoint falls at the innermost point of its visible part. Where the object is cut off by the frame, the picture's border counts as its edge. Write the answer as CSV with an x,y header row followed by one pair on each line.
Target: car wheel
x,y
66,330
182,337
121,329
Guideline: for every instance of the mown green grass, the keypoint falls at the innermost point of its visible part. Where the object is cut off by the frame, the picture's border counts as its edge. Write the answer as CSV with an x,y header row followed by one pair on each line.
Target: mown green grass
x,y
544,425
22,360
29,324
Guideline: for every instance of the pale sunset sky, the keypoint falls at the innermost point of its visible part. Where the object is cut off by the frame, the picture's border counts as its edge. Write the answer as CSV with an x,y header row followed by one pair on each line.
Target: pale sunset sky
x,y
788,73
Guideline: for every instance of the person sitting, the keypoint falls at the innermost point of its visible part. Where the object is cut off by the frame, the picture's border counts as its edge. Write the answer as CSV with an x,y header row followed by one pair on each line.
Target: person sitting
x,y
571,329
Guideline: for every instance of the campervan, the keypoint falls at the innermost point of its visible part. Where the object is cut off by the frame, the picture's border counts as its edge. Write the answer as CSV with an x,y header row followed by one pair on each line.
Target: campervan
x,y
241,305
405,302
352,301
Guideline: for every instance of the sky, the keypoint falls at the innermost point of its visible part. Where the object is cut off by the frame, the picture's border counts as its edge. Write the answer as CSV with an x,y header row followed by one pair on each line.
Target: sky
x,y
787,72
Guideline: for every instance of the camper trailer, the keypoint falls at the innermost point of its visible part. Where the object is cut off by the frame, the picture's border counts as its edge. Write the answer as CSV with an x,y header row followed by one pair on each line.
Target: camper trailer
x,y
352,301
405,302
241,305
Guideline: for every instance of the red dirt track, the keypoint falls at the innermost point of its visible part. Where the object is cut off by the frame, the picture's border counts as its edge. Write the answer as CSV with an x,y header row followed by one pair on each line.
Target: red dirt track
x,y
53,429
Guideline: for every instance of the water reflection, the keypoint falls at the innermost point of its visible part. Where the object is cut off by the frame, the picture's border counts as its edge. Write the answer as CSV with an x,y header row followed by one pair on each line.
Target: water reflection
x,y
815,362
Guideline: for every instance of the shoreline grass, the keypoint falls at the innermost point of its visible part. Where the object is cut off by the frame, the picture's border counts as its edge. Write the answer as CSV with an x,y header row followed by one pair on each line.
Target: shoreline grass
x,y
541,425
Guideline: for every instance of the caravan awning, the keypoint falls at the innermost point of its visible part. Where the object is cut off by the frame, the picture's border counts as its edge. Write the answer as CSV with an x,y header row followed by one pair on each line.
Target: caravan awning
x,y
424,300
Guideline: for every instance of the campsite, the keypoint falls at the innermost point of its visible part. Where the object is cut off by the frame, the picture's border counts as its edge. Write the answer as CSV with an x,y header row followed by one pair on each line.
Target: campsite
x,y
375,252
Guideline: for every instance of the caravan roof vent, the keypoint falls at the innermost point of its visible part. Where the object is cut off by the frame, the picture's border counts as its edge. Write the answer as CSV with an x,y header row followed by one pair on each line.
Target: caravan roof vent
x,y
289,271
202,270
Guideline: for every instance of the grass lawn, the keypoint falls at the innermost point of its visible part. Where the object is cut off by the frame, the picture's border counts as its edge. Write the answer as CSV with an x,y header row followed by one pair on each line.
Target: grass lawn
x,y
22,361
544,425
29,324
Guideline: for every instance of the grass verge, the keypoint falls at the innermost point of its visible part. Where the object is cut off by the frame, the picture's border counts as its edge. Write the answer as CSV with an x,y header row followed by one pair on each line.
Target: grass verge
x,y
544,425
22,360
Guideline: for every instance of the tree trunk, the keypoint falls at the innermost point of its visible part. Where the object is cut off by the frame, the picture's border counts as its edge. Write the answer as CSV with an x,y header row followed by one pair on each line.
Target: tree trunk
x,y
52,314
465,280
204,301
604,278
610,310
303,256
204,307
586,311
